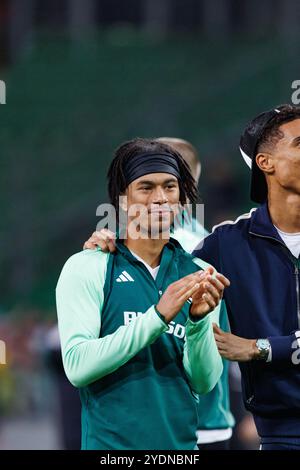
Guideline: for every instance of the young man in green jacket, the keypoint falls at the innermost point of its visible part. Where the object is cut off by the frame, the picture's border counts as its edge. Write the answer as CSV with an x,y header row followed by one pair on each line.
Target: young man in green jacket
x,y
135,332
215,420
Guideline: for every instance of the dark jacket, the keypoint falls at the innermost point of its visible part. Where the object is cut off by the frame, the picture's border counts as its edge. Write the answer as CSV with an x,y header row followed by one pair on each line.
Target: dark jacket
x,y
263,301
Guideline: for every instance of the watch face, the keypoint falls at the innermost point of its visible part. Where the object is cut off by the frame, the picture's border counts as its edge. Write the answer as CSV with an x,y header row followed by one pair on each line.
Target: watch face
x,y
263,346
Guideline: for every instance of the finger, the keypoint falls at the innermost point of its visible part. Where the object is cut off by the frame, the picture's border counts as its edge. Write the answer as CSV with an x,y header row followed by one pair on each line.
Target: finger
x,y
210,270
98,237
224,280
198,293
223,354
92,242
219,338
217,329
102,244
103,241
109,234
215,282
104,234
181,292
222,349
221,346
207,272
210,289
89,245
209,300
182,283
199,275
109,237
111,246
189,293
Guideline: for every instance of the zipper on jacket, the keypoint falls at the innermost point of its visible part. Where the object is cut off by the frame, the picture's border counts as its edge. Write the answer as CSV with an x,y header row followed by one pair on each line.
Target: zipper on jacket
x,y
249,388
249,400
297,293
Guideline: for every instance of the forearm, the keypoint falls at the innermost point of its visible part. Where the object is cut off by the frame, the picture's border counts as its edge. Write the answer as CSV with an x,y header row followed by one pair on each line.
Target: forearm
x,y
87,360
202,361
80,298
278,349
285,349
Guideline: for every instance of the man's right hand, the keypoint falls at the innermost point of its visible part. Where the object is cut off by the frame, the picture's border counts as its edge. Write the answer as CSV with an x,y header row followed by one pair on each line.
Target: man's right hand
x,y
105,239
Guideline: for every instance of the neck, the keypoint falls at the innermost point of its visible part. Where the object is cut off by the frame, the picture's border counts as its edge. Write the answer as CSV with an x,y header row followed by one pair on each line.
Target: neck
x,y
149,250
284,210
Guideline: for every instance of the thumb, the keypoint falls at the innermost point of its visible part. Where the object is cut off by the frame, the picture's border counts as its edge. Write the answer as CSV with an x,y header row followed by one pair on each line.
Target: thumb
x,y
217,329
89,245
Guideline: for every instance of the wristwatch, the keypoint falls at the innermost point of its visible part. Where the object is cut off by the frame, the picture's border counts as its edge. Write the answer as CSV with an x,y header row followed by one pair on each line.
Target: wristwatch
x,y
263,346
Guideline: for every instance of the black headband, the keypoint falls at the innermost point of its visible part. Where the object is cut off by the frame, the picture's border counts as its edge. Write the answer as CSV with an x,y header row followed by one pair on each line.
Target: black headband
x,y
147,163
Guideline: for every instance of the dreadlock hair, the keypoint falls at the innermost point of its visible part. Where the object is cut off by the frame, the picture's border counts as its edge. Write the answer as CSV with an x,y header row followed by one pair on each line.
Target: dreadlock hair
x,y
272,133
116,177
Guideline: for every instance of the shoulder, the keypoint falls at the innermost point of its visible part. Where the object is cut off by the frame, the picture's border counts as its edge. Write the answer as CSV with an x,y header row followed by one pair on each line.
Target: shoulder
x,y
225,234
232,226
86,260
187,260
86,265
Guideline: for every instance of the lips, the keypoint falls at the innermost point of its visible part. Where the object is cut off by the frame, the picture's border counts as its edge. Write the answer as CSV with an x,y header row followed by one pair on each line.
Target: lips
x,y
160,211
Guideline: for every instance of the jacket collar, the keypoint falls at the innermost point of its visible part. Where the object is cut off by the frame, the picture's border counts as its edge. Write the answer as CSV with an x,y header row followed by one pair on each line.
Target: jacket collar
x,y
262,225
172,245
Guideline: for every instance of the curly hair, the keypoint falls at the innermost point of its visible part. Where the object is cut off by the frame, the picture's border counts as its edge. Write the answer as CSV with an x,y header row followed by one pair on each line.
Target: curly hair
x,y
116,178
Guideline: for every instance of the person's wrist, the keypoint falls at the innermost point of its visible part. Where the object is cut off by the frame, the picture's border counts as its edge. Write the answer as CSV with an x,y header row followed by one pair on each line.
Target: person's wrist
x,y
161,315
262,346
195,318
254,351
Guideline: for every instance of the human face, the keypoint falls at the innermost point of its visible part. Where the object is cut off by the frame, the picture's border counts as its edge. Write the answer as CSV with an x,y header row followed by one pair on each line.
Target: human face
x,y
286,158
152,203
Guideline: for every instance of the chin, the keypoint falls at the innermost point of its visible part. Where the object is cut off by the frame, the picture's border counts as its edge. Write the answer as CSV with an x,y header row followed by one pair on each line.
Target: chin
x,y
158,231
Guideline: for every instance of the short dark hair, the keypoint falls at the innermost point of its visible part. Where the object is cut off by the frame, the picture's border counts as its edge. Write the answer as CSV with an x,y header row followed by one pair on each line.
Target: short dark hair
x,y
116,178
272,133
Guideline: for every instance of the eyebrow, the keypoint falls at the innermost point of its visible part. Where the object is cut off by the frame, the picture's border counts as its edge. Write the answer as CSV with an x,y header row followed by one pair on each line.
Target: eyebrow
x,y
296,141
170,180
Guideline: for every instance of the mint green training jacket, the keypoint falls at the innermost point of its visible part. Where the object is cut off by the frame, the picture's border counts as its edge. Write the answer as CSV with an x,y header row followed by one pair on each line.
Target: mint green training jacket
x,y
138,377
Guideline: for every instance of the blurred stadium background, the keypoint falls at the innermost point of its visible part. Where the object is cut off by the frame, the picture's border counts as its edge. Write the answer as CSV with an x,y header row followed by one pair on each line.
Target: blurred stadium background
x,y
81,77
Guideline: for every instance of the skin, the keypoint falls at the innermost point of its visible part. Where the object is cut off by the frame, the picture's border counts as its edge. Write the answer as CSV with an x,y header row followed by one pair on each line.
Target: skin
x,y
158,192
235,348
205,289
281,166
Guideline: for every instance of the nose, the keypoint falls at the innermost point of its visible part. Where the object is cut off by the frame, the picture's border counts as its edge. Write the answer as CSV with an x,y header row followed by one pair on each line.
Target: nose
x,y
159,196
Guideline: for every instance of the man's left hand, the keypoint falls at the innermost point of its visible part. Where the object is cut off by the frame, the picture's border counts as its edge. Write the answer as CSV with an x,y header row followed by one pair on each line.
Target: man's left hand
x,y
209,294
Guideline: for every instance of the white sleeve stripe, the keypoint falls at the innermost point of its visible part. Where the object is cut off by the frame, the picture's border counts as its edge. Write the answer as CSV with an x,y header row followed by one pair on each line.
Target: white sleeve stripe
x,y
233,222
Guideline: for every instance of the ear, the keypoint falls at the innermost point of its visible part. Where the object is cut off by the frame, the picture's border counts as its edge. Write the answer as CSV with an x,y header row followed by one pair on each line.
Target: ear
x,y
265,162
